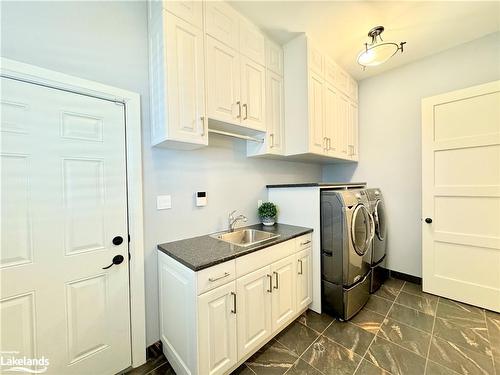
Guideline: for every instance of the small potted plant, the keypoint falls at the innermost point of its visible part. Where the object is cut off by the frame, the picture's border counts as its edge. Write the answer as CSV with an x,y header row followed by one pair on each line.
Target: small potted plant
x,y
267,213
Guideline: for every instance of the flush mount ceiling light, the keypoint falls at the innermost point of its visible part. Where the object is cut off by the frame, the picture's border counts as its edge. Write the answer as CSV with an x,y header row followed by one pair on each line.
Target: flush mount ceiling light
x,y
378,52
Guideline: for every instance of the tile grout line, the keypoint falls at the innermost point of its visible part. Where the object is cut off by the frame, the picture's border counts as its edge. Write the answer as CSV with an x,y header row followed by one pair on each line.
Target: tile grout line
x,y
432,336
157,367
376,334
252,371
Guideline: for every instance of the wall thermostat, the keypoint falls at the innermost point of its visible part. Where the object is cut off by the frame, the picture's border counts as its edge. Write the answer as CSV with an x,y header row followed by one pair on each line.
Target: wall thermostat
x,y
201,198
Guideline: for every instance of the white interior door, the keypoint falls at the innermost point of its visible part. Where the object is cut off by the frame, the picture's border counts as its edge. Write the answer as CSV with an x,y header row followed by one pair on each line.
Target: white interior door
x,y
461,195
63,201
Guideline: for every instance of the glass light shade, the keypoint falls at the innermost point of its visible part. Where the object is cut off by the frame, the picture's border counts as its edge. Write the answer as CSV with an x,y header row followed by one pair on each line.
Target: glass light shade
x,y
377,54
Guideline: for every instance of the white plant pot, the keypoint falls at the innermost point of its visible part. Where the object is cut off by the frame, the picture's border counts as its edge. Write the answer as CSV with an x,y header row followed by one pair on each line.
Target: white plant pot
x,y
268,221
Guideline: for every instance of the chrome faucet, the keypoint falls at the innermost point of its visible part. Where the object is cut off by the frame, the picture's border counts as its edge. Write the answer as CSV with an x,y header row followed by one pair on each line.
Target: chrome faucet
x,y
233,220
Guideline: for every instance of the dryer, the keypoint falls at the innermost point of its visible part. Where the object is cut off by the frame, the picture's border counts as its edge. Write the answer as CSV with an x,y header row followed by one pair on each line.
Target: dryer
x,y
347,230
379,272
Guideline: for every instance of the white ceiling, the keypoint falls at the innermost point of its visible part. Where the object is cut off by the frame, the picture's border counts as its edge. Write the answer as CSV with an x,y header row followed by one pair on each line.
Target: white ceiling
x,y
340,27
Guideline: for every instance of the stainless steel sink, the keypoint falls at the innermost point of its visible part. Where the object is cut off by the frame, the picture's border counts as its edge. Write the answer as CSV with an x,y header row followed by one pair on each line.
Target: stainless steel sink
x,y
245,237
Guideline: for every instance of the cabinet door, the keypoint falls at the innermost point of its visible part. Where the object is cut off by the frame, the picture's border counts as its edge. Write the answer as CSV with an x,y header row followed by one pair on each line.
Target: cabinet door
x,y
342,80
274,57
353,131
185,81
284,291
304,279
317,142
217,330
253,87
315,59
223,82
189,11
331,119
274,112
343,121
253,304
252,42
222,23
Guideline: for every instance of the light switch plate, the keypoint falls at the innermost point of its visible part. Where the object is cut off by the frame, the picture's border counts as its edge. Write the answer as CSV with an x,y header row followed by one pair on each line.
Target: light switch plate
x,y
163,202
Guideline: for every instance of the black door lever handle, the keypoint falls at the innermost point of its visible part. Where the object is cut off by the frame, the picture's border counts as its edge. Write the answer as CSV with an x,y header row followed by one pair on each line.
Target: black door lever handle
x,y
117,259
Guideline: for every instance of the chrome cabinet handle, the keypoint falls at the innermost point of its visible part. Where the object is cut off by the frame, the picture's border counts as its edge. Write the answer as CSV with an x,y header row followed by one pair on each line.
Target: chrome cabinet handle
x,y
203,124
305,243
270,290
272,140
212,279
277,286
300,262
238,103
233,310
246,111
325,144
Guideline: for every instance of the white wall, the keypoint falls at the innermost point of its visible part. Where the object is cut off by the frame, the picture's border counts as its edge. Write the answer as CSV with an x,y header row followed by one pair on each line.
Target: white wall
x,y
107,42
390,139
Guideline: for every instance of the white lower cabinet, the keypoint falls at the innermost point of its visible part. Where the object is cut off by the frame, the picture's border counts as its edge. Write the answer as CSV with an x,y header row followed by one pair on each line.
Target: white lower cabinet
x,y
211,330
217,329
304,278
254,310
283,304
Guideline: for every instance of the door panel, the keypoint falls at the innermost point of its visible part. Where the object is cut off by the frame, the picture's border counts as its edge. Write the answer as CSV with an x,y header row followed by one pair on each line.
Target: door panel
x,y
253,87
304,279
284,291
352,129
274,112
63,189
185,81
222,23
331,119
252,42
223,81
189,11
343,118
217,330
316,119
254,310
461,194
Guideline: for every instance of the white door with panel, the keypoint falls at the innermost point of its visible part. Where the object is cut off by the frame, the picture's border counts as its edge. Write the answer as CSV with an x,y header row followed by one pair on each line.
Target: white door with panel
x,y
217,330
331,122
342,131
64,210
274,112
185,81
461,195
253,307
304,278
316,119
352,131
284,291
223,82
253,94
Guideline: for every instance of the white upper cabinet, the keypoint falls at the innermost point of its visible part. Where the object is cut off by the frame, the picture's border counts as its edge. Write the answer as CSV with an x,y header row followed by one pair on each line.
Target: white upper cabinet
x,y
331,121
316,86
274,110
353,131
189,11
316,61
223,81
253,94
316,119
353,89
177,83
222,23
274,57
252,42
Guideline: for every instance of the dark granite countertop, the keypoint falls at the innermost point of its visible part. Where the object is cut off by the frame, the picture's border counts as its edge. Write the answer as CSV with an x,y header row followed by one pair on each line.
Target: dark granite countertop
x,y
202,252
320,184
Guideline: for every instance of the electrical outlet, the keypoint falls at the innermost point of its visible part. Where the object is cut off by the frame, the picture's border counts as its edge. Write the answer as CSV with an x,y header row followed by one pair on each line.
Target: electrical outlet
x,y
259,203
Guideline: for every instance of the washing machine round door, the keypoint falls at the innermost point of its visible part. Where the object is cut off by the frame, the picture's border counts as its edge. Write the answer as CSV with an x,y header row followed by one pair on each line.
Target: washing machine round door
x,y
379,219
361,229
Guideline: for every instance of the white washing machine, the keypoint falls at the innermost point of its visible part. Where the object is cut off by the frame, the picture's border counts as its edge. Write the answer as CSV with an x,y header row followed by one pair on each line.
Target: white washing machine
x,y
379,272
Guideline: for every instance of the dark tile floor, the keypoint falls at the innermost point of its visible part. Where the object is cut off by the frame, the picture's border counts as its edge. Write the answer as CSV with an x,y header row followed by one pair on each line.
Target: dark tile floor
x,y
401,331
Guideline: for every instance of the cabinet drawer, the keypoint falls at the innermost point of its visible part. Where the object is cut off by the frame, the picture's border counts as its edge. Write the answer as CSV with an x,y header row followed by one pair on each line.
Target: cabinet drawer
x,y
212,277
264,257
303,242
